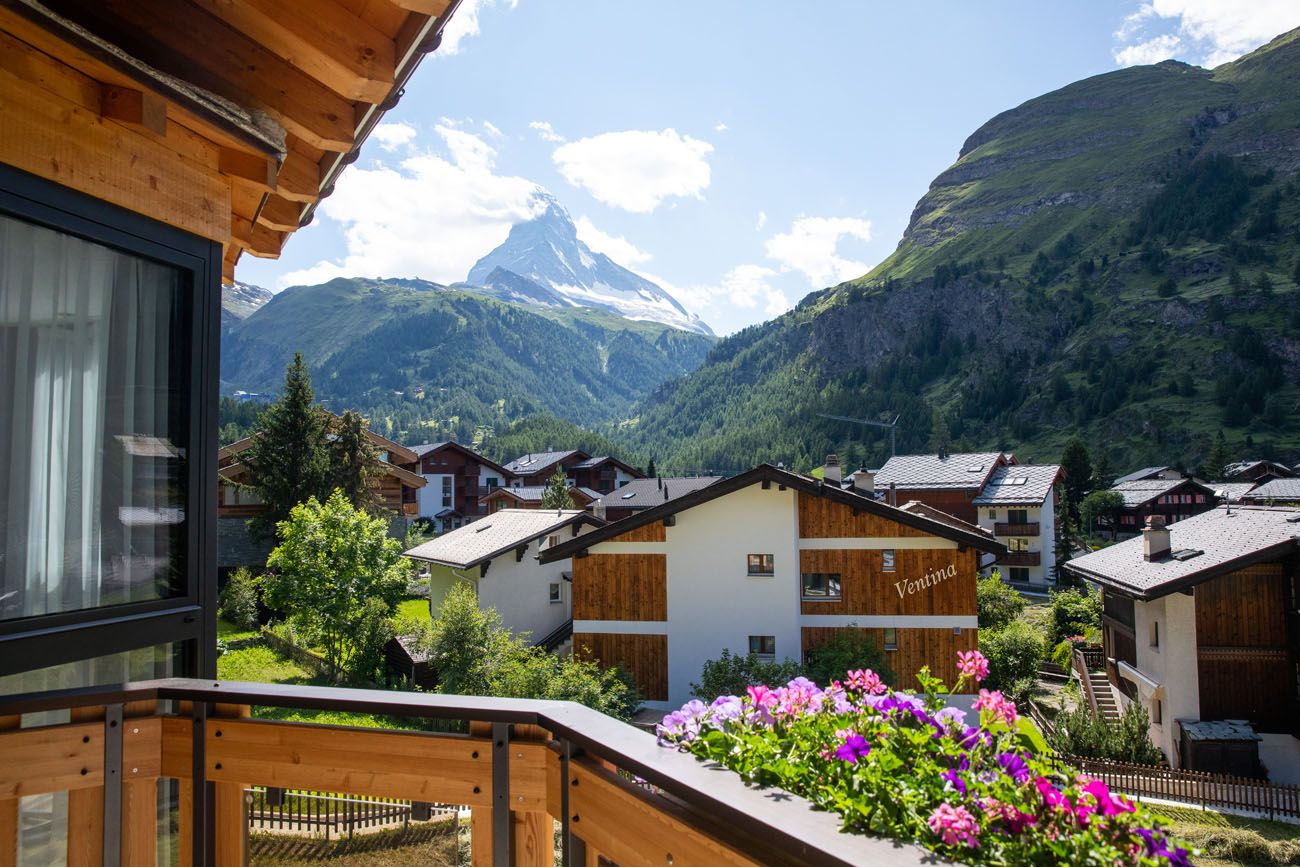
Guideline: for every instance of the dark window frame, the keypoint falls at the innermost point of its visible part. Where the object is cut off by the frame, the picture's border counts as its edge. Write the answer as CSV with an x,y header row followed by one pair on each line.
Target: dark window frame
x,y
38,642
763,653
759,571
824,597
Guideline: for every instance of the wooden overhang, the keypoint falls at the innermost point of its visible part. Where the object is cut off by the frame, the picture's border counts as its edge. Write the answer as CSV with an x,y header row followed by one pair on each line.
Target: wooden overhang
x,y
230,119
767,475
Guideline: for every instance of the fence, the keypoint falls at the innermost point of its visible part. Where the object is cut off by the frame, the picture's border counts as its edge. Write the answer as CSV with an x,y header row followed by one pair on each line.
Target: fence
x,y
1192,787
299,811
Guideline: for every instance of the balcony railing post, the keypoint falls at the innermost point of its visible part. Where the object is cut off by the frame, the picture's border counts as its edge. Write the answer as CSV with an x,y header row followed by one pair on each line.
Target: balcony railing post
x,y
566,832
202,836
112,785
501,848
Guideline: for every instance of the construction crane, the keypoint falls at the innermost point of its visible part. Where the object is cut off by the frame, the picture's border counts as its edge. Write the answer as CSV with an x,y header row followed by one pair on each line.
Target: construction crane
x,y
891,425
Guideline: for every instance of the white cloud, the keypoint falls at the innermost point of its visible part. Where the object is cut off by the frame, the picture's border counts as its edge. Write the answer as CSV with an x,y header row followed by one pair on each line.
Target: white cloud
x,y
1208,32
811,247
492,129
616,247
720,127
761,221
636,169
734,300
546,132
432,215
391,136
464,23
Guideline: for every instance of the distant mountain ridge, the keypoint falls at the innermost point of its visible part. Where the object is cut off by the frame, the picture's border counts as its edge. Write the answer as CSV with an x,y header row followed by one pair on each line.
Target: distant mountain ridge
x,y
547,253
241,300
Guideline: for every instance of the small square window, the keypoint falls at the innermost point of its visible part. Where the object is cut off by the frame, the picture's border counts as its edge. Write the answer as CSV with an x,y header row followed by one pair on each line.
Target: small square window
x,y
1155,633
763,645
891,638
821,586
761,564
1157,712
887,560
1018,543
554,591
993,514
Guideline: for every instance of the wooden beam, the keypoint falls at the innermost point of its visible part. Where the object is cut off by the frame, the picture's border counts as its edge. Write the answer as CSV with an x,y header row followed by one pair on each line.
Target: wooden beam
x,y
257,169
328,43
163,33
280,214
9,810
86,806
125,105
257,240
51,759
299,178
432,8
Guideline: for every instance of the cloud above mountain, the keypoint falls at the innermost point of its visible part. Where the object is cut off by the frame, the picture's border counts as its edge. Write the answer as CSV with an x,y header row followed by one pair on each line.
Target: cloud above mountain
x,y
811,247
1205,32
636,170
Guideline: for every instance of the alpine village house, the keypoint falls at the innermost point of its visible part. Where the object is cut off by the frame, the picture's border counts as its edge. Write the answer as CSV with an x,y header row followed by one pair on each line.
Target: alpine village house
x,y
146,146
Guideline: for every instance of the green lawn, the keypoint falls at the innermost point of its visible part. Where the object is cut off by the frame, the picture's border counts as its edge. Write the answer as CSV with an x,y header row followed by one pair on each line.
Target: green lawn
x,y
261,664
227,631
413,609
1232,841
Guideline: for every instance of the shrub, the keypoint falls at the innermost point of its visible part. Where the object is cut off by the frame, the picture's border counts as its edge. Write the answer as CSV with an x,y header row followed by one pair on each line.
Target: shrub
x,y
238,601
908,767
731,674
1080,732
846,650
1014,654
1073,612
997,602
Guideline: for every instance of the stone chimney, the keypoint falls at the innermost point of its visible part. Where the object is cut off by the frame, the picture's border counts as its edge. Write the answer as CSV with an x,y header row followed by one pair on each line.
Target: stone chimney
x,y
831,472
864,482
1155,538
598,508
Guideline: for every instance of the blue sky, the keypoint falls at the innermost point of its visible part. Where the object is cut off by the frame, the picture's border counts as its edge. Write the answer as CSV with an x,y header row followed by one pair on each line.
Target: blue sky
x,y
741,154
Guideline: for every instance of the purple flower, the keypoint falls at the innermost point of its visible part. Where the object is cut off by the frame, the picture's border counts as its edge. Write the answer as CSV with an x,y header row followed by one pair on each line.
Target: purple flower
x,y
955,780
682,725
855,747
951,717
1013,765
726,708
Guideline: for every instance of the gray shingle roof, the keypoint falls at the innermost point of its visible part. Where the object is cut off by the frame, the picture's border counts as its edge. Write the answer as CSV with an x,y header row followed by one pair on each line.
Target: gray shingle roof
x,y
1278,489
1227,540
1144,473
1233,491
1145,490
534,493
493,535
1242,466
957,471
644,493
1028,484
529,464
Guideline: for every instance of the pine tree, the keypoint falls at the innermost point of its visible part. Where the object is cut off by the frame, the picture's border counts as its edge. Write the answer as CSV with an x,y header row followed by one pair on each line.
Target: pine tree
x,y
1264,284
1217,459
1295,275
557,494
1077,465
650,471
288,462
354,461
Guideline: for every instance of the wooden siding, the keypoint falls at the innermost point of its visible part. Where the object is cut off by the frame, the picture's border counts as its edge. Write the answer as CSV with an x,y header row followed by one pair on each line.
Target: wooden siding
x,y
1243,665
958,503
820,518
652,532
645,657
865,589
936,648
620,587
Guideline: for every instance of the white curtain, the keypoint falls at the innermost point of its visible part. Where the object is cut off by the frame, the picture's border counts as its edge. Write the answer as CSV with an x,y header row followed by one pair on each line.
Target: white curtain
x,y
85,337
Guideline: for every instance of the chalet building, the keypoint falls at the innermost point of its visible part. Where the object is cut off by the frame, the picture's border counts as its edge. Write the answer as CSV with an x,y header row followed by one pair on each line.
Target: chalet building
x,y
1019,505
1171,499
1147,474
641,494
457,479
602,474
1200,626
1274,492
530,497
497,555
1256,471
771,562
1016,501
950,482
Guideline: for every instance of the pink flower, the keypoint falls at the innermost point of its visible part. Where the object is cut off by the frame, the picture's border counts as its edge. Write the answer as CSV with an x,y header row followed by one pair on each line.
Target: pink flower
x,y
971,663
997,704
1014,820
1051,797
954,826
1107,804
867,681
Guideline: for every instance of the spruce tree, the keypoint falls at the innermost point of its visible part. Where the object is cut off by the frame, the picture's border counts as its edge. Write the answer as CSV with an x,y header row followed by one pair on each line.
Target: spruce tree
x,y
1217,459
1077,465
288,462
354,462
557,494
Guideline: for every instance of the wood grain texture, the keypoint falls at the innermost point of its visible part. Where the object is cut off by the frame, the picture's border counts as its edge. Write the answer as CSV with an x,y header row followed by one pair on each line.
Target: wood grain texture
x,y
51,759
620,587
645,657
820,518
936,648
8,809
86,805
139,821
652,532
866,589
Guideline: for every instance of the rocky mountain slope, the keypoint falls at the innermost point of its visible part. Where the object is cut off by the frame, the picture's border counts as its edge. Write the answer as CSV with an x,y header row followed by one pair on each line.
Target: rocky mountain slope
x,y
543,262
1119,258
239,301
425,361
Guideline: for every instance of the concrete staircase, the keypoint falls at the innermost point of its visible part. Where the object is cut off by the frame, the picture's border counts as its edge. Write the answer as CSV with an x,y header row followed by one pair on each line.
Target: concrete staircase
x,y
1104,694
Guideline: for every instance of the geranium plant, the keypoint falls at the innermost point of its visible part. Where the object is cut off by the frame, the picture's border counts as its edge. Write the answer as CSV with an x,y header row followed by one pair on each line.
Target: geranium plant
x,y
966,784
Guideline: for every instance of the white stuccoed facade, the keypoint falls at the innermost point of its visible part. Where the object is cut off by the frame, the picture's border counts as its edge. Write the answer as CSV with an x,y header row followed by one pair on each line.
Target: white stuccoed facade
x,y
1044,543
1166,672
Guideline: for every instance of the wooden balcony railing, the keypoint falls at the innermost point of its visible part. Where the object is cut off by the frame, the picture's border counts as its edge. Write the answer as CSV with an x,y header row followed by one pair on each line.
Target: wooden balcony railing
x,y
1021,558
1004,529
521,767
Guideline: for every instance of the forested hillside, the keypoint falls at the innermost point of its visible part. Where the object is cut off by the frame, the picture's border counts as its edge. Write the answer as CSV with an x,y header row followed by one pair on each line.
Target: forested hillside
x,y
1119,258
427,363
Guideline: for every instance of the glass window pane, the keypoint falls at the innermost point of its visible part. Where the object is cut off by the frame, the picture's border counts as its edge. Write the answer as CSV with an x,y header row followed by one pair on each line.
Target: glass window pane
x,y
94,366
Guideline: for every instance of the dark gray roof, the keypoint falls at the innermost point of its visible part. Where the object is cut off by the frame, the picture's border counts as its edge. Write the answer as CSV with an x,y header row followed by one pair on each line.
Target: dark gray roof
x,y
425,448
1227,539
1144,473
1240,467
493,535
1146,490
1233,492
534,462
1019,484
644,493
1280,490
960,471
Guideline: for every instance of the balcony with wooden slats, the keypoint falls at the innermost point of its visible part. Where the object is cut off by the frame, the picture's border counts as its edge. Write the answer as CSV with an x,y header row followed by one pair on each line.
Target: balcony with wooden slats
x,y
1005,529
1021,558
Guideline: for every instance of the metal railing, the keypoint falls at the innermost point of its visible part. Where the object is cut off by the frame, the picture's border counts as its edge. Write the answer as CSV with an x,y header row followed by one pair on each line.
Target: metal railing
x,y
298,811
523,766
